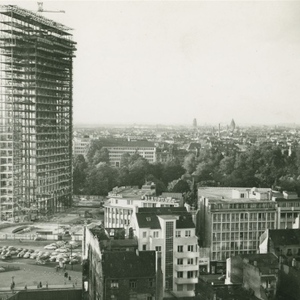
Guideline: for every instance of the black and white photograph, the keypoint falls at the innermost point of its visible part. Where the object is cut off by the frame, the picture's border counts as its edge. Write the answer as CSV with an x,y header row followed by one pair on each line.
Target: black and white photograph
x,y
149,150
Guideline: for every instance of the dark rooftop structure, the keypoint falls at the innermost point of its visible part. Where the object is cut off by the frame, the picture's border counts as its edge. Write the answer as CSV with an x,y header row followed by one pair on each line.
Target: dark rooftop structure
x,y
129,264
148,217
285,236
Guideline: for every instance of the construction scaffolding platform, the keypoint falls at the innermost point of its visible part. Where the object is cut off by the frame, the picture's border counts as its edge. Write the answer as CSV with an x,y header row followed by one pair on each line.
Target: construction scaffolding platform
x,y
36,103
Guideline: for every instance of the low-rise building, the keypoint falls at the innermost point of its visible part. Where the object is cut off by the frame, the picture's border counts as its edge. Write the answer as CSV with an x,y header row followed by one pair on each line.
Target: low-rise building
x,y
258,273
281,242
112,271
123,201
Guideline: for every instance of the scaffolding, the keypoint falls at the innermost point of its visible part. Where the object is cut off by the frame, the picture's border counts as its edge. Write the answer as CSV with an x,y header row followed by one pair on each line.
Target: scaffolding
x,y
36,59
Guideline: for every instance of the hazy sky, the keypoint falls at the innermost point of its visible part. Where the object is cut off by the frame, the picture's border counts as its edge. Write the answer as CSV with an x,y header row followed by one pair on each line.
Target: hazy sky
x,y
169,62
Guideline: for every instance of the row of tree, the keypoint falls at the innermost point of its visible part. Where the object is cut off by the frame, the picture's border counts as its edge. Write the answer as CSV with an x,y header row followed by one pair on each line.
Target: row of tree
x,y
263,166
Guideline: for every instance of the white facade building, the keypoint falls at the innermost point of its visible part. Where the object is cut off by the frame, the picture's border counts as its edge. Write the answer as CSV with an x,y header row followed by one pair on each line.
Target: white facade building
x,y
170,231
144,148
123,202
81,146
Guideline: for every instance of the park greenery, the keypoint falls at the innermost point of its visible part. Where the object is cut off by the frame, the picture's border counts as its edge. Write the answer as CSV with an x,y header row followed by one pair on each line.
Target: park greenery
x,y
259,166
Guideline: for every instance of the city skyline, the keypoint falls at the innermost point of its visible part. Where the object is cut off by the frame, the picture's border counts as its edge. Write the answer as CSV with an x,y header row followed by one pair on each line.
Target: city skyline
x,y
170,62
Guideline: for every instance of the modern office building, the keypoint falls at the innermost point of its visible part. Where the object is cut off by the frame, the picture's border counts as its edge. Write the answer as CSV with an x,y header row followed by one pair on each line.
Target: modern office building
x,y
36,74
81,146
117,148
123,202
170,231
231,220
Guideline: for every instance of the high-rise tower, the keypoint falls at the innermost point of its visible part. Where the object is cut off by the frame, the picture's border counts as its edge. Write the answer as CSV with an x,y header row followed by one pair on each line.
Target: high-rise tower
x,y
36,59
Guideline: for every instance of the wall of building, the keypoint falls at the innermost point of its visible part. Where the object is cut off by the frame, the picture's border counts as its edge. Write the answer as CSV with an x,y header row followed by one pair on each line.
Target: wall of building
x,y
142,290
289,282
74,294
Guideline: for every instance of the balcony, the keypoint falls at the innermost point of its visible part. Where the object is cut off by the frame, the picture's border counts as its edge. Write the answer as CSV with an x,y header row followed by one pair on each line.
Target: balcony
x,y
186,254
186,268
186,280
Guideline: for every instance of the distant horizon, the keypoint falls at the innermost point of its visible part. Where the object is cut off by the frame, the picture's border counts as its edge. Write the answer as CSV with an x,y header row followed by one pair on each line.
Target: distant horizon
x,y
76,124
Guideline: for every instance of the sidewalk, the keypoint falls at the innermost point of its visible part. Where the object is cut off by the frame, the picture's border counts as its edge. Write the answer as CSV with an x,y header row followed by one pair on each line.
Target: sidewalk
x,y
50,287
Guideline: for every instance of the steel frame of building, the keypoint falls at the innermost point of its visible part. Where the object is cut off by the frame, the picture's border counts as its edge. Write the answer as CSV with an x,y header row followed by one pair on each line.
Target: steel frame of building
x,y
36,74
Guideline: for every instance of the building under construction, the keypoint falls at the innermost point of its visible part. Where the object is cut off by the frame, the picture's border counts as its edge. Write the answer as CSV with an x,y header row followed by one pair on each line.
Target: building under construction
x,y
36,58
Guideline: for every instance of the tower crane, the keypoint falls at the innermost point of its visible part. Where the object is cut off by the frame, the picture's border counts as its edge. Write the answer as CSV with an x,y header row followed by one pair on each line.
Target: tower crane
x,y
41,9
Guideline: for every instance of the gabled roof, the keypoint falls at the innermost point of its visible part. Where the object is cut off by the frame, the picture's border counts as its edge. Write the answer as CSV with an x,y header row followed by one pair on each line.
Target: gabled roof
x,y
148,217
282,237
129,264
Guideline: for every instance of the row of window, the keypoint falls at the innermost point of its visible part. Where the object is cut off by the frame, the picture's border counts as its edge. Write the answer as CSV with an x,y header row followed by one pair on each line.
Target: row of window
x,y
118,221
189,248
243,216
243,226
190,274
190,261
217,236
114,284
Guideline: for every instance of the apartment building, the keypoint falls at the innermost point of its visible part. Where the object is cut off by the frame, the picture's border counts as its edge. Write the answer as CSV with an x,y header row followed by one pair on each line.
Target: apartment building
x,y
230,221
36,103
120,275
123,201
170,231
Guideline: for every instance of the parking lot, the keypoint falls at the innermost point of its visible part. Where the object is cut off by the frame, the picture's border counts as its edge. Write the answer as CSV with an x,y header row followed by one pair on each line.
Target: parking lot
x,y
40,264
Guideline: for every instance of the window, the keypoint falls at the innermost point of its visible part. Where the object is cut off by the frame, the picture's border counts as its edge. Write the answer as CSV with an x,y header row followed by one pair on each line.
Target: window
x,y
155,234
144,247
179,261
190,248
179,288
187,233
158,248
179,274
190,261
178,233
132,283
242,195
144,234
151,282
179,248
116,201
190,274
114,284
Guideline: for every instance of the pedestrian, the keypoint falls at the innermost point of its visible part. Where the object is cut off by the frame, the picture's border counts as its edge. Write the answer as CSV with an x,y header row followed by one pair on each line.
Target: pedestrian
x,y
41,284
69,278
25,287
46,284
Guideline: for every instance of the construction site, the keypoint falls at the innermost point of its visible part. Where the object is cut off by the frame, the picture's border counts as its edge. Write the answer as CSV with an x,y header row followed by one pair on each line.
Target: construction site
x,y
36,74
